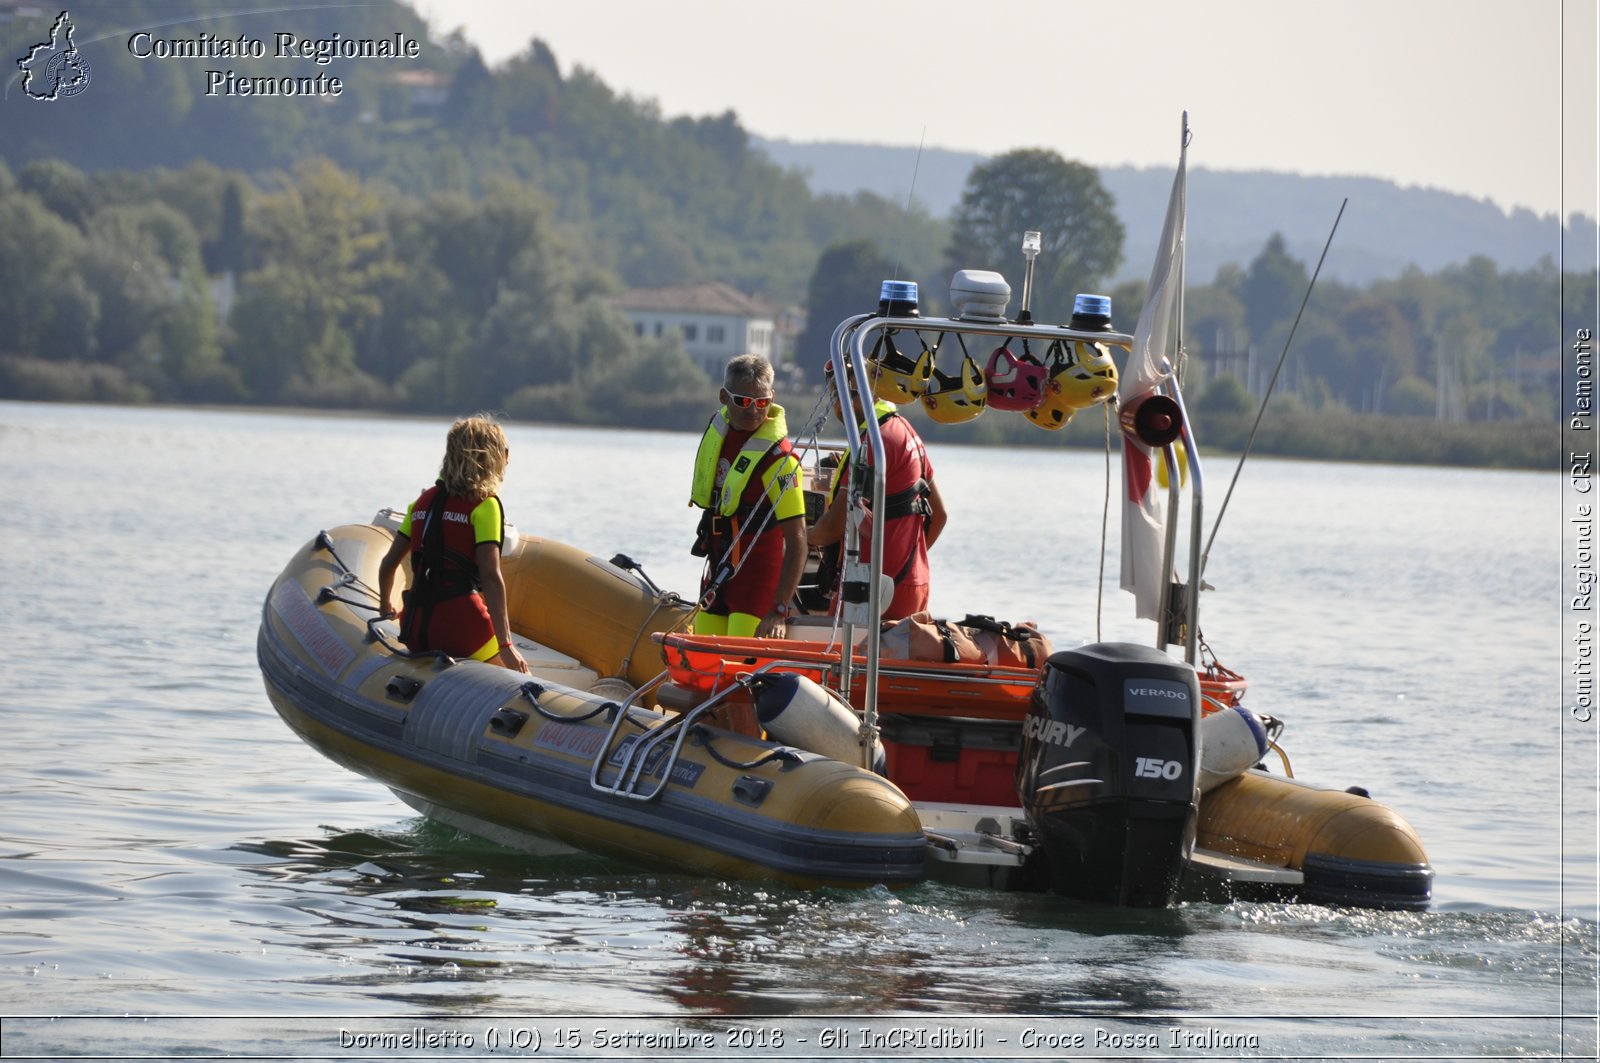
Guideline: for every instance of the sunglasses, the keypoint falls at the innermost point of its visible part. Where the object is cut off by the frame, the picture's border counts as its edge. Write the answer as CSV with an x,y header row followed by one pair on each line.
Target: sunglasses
x,y
745,402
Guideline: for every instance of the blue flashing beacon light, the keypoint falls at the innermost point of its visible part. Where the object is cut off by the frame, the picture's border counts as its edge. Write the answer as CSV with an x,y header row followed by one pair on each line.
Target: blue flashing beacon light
x,y
1091,313
897,299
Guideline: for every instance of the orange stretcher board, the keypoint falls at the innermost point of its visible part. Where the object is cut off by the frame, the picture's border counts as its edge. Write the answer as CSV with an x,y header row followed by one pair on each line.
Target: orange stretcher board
x,y
707,664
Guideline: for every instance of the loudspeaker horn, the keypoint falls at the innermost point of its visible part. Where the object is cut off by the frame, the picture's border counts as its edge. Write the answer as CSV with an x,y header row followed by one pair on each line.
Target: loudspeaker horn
x,y
1154,420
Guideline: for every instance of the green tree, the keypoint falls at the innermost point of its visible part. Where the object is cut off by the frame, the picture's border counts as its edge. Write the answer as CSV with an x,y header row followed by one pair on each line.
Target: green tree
x,y
505,276
1035,189
1230,279
663,385
287,332
196,192
1127,303
325,250
1411,397
63,188
140,261
1214,321
1380,353
478,244
1461,354
661,256
1425,302
1319,354
48,310
912,240
422,323
1272,288
230,257
845,282
492,300
470,104
1226,397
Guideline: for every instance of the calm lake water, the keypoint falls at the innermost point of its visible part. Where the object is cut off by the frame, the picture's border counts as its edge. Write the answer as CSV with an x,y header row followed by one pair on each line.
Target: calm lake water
x,y
180,875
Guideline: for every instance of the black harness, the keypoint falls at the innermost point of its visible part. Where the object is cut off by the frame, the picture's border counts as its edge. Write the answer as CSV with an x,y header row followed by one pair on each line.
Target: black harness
x,y
438,574
911,502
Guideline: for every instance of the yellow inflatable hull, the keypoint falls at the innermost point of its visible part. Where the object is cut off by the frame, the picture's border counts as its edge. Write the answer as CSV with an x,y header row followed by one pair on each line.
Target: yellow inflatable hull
x,y
1347,848
545,762
565,760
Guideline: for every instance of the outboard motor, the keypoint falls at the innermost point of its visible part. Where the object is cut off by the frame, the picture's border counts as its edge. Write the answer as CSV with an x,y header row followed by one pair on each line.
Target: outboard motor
x,y
1108,772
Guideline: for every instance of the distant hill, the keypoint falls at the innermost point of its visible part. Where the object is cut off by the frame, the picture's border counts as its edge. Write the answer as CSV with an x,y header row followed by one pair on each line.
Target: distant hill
x,y
1232,213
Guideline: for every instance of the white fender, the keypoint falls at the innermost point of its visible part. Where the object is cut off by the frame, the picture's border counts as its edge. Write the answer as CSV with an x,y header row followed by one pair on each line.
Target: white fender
x,y
1231,741
799,712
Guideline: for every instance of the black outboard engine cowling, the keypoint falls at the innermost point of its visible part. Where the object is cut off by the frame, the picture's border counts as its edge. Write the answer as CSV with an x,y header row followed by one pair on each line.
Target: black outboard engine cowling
x,y
1108,772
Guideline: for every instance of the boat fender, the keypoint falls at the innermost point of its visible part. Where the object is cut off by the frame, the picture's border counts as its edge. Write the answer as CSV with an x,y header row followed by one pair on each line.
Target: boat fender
x,y
1231,741
800,712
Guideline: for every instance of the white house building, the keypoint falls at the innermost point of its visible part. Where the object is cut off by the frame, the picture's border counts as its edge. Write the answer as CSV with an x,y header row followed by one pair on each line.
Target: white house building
x,y
715,321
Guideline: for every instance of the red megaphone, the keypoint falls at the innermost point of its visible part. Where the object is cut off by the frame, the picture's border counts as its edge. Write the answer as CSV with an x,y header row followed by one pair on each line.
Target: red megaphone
x,y
1154,420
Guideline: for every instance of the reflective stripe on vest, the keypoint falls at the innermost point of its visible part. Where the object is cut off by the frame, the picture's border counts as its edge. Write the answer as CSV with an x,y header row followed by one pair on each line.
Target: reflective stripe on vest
x,y
772,435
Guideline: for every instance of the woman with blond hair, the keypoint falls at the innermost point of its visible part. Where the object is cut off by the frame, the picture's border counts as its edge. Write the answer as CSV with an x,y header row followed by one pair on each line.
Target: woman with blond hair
x,y
457,600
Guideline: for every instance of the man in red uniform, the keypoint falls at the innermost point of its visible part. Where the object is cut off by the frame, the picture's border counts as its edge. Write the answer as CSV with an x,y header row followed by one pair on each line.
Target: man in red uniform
x,y
916,512
753,533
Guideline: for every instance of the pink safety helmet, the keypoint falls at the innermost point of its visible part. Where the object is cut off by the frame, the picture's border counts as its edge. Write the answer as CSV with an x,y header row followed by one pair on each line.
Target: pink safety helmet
x,y
1014,383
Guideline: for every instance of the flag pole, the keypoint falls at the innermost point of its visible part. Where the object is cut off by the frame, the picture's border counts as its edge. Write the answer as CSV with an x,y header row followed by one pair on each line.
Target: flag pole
x,y
1173,363
1148,548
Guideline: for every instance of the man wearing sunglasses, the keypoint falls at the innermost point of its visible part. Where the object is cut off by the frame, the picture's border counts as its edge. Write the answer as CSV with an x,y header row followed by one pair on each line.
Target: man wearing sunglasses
x,y
753,531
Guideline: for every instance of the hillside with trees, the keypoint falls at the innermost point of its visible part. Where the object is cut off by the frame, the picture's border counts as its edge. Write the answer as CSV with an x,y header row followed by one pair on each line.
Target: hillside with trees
x,y
456,249
1386,230
658,201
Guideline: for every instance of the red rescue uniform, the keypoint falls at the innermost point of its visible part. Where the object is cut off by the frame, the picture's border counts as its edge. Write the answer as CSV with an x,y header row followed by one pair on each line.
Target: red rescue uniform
x,y
443,609
905,539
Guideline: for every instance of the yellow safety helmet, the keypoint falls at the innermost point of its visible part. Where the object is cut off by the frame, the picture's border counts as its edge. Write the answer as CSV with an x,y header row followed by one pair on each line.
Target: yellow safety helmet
x,y
959,397
896,377
1087,376
1053,411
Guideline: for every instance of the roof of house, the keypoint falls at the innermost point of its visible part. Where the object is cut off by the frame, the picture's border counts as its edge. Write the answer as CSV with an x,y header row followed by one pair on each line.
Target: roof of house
x,y
418,78
714,298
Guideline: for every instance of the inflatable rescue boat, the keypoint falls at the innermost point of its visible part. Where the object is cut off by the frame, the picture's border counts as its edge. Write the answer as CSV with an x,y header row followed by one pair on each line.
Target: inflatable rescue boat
x,y
1111,772
626,741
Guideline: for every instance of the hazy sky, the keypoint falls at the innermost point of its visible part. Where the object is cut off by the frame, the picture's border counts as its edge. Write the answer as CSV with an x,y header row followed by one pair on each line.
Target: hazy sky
x,y
1491,98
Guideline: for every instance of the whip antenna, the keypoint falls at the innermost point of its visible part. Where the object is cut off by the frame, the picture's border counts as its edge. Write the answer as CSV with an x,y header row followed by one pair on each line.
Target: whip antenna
x,y
1206,554
916,167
